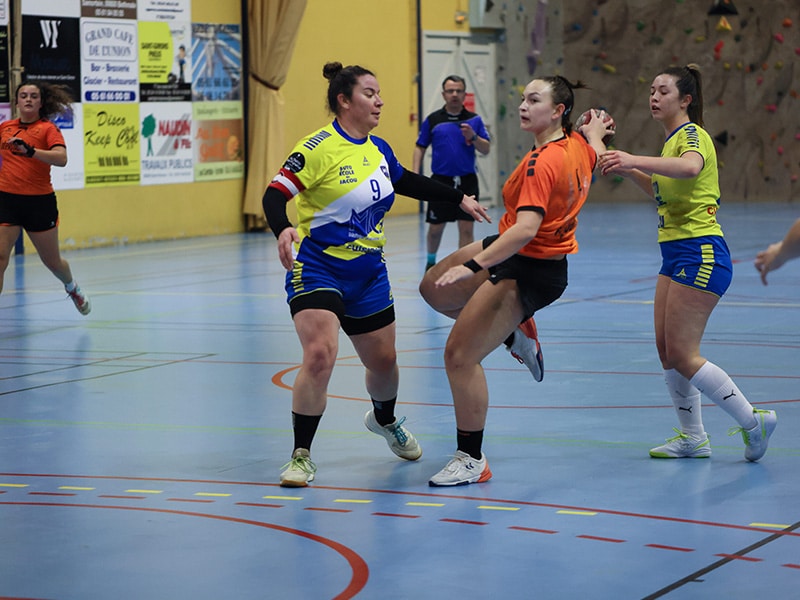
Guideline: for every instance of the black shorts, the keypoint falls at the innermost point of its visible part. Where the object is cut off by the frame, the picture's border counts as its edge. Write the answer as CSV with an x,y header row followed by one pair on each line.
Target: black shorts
x,y
32,213
447,212
540,281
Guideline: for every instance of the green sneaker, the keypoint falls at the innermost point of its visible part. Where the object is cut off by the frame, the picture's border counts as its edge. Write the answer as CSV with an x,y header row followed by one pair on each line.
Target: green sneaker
x,y
299,471
683,446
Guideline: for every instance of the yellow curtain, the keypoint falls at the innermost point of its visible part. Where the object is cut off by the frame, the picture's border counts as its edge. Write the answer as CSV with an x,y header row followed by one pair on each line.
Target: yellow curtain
x,y
273,26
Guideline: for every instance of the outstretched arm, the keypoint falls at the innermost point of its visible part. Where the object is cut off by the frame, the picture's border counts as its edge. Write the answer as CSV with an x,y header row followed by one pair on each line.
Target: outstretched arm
x,y
640,168
424,188
780,252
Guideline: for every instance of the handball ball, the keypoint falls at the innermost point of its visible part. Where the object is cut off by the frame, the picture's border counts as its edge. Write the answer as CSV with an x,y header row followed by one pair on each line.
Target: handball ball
x,y
599,113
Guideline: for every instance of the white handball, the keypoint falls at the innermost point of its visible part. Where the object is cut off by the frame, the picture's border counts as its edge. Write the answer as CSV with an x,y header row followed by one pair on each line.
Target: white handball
x,y
608,121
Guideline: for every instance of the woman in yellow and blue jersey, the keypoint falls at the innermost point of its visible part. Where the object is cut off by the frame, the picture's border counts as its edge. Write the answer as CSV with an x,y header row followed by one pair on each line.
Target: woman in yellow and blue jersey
x,y
696,267
344,180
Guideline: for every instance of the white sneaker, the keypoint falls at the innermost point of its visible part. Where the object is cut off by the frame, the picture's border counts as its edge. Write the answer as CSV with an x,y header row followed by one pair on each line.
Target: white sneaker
x,y
757,438
683,446
80,300
527,350
299,471
401,441
461,470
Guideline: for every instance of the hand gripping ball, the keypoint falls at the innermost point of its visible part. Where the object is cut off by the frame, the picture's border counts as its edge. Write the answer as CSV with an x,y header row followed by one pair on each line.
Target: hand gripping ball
x,y
608,120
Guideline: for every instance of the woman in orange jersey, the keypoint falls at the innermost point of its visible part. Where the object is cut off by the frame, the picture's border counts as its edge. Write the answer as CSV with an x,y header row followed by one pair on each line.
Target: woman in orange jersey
x,y
492,286
29,146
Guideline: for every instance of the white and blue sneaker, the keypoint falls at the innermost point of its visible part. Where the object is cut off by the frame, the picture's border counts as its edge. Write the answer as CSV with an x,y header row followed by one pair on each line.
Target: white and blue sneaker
x,y
462,470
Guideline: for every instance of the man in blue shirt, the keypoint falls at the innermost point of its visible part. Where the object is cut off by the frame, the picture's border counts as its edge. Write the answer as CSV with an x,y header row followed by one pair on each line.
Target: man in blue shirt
x,y
453,133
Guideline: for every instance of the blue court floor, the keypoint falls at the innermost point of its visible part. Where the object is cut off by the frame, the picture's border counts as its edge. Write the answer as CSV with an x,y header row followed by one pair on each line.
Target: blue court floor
x,y
140,446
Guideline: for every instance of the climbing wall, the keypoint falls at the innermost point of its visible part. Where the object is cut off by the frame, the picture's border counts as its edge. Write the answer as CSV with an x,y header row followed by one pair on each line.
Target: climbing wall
x,y
748,52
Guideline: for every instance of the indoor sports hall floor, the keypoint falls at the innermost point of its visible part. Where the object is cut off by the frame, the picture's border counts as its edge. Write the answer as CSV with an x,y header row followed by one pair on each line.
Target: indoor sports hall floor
x,y
140,446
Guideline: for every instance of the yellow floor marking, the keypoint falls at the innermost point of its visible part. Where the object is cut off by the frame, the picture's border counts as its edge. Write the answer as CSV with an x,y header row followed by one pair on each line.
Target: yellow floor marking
x,y
144,491
584,513
498,508
354,501
14,485
212,494
772,525
76,488
435,504
282,497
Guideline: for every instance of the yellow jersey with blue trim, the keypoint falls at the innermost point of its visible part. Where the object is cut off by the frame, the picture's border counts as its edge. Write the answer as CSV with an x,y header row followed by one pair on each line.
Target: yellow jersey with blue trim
x,y
687,208
343,188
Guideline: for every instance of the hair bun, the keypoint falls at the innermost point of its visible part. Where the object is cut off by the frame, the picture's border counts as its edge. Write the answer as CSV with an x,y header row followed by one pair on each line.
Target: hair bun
x,y
331,70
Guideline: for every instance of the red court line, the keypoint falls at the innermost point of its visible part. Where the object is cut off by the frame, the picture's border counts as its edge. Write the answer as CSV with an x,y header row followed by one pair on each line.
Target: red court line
x,y
462,522
259,504
49,494
360,570
122,497
419,494
532,529
600,539
198,500
333,510
791,566
740,557
382,514
676,548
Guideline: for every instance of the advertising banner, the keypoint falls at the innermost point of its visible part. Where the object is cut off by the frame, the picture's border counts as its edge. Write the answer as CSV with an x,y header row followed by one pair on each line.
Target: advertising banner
x,y
166,142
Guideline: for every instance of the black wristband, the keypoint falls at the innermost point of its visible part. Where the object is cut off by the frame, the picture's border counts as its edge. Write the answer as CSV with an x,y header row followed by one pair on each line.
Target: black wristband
x,y
473,265
29,150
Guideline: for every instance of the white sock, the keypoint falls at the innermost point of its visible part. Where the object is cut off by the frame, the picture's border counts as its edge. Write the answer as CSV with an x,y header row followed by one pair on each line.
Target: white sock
x,y
686,399
71,286
717,385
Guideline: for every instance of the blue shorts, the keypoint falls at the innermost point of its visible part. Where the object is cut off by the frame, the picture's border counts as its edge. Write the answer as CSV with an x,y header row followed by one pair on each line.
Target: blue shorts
x,y
703,263
357,291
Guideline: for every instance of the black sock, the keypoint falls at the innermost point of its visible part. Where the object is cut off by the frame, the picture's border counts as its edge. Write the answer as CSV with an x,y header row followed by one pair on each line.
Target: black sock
x,y
384,411
470,442
509,340
305,426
